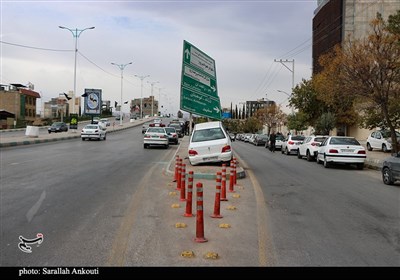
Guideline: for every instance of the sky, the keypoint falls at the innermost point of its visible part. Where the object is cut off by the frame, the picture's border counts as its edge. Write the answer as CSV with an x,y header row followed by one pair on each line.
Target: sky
x,y
247,39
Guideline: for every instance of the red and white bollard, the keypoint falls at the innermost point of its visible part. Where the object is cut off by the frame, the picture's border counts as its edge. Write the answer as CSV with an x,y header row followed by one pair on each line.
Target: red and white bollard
x,y
176,168
223,183
231,179
188,212
178,180
234,171
217,203
199,216
183,179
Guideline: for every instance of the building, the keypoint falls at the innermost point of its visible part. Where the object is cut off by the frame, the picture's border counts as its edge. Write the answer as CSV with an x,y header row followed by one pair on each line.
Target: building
x,y
253,106
336,20
150,106
20,101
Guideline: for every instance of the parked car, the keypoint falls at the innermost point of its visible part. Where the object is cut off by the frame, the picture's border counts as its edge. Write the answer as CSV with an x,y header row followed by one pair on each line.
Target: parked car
x,y
278,142
95,120
155,136
172,135
178,128
309,147
381,139
341,149
144,128
260,139
391,169
210,142
105,121
93,131
58,127
291,144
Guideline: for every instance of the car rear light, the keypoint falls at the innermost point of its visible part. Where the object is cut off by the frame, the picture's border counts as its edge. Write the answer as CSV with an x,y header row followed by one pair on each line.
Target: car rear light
x,y
164,136
333,151
192,153
226,149
146,136
291,143
152,124
362,152
314,144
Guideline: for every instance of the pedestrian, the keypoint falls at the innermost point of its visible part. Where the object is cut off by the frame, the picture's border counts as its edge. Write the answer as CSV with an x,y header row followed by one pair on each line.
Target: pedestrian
x,y
272,139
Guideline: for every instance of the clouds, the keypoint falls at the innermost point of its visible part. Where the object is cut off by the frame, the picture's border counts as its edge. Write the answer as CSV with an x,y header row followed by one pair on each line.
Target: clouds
x,y
242,36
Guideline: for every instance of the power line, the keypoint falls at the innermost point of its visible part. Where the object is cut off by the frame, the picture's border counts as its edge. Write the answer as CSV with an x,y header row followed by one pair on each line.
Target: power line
x,y
35,48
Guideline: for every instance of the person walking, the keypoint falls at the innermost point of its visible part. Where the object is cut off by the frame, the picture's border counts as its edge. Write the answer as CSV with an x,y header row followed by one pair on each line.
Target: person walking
x,y
272,139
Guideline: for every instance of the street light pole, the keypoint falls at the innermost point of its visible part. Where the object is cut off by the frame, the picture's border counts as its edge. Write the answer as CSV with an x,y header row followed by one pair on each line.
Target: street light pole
x,y
141,93
75,33
152,97
121,67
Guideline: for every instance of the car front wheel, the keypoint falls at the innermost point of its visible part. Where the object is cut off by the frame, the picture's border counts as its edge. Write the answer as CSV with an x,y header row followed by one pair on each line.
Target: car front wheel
x,y
387,176
384,148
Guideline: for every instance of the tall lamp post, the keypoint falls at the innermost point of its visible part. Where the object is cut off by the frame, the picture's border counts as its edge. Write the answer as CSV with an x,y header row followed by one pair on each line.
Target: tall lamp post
x,y
75,33
152,97
121,67
141,93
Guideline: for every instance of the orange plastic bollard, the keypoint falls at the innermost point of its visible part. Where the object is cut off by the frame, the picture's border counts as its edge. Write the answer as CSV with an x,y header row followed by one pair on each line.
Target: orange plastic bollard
x,y
176,168
223,183
231,179
234,171
183,178
178,180
199,216
188,212
217,203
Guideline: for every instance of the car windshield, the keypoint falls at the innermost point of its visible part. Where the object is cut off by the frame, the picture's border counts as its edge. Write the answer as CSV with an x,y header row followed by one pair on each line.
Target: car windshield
x,y
387,134
319,139
91,127
279,137
156,130
170,130
298,137
344,141
208,134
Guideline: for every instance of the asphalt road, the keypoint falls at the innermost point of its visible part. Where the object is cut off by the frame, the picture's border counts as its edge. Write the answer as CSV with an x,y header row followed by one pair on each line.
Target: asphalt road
x,y
74,192
324,217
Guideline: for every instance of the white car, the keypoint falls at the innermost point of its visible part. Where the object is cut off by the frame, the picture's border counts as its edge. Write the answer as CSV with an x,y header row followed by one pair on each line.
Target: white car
x,y
341,149
105,121
291,144
93,131
309,147
381,140
210,142
155,136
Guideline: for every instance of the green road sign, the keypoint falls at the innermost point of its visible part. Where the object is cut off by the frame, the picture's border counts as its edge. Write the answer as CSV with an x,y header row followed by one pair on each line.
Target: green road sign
x,y
199,93
200,104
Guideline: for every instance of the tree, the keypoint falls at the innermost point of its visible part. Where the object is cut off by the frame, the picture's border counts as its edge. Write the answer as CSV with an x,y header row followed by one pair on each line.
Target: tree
x,y
296,121
307,100
370,71
325,124
271,116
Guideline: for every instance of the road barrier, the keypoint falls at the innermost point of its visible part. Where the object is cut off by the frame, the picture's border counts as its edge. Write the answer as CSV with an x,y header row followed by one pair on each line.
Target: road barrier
x,y
217,202
183,178
223,183
188,212
176,168
178,180
199,215
231,179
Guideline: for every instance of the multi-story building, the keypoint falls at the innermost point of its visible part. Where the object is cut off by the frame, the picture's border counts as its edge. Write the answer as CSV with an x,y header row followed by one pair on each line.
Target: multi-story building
x,y
150,106
20,101
253,106
337,20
